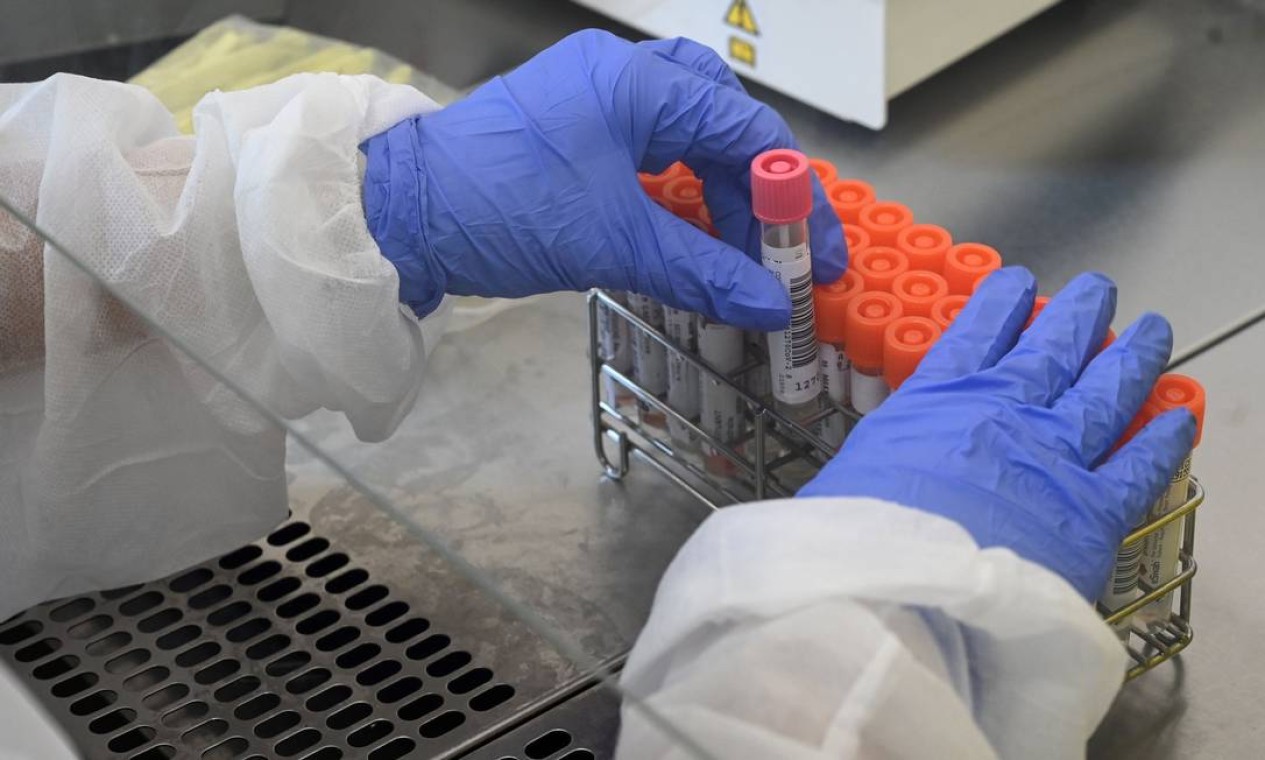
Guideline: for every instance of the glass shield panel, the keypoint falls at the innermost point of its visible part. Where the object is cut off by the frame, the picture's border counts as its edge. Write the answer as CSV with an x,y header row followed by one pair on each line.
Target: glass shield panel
x,y
269,528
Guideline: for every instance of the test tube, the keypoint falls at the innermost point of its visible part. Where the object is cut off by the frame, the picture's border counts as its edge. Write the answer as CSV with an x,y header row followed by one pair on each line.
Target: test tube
x,y
905,342
966,263
1160,560
650,358
781,197
918,291
944,311
884,220
869,314
925,245
879,266
684,196
721,407
616,349
830,302
847,197
825,171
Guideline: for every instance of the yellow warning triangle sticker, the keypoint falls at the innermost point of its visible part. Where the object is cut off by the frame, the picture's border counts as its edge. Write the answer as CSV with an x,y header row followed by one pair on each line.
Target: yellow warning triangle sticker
x,y
739,16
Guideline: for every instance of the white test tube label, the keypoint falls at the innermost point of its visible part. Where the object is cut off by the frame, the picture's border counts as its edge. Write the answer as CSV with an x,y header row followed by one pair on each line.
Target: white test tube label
x,y
1122,586
723,347
613,341
868,391
1161,549
793,351
683,389
833,366
650,359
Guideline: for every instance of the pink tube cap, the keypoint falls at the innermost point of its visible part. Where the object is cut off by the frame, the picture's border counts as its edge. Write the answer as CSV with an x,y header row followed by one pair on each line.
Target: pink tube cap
x,y
781,186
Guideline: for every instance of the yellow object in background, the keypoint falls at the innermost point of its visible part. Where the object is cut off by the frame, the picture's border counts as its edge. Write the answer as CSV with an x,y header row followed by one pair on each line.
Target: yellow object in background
x,y
235,53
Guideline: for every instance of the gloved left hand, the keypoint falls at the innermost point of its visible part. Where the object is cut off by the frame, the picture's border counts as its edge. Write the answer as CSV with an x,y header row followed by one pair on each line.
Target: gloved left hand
x,y
1011,433
529,184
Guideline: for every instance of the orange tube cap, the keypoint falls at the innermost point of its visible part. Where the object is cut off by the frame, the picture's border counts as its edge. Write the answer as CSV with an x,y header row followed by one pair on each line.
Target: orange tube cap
x,y
848,197
858,239
879,265
918,291
944,311
905,342
925,245
1173,390
684,196
965,263
830,306
825,171
884,220
869,314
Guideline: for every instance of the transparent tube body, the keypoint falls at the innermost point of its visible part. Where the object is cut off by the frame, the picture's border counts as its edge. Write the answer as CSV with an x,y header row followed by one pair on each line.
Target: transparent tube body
x,y
793,366
834,370
868,388
720,414
683,380
650,358
1161,549
616,349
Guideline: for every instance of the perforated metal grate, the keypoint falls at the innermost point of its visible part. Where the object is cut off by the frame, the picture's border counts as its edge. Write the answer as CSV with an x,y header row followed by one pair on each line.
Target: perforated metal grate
x,y
282,648
582,728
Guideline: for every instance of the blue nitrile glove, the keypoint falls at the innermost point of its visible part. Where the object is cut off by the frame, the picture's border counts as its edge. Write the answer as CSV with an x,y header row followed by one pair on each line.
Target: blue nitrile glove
x,y
1010,434
529,185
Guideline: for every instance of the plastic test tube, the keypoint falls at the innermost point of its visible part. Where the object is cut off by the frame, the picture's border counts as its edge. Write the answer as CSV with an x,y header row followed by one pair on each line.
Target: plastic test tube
x,y
781,197
616,349
925,245
848,197
830,303
684,196
918,291
650,358
905,342
879,266
944,311
966,263
884,220
869,314
1160,559
721,415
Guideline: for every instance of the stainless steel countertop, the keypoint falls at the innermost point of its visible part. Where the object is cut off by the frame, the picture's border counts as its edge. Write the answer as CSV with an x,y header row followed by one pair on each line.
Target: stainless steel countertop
x,y
1127,137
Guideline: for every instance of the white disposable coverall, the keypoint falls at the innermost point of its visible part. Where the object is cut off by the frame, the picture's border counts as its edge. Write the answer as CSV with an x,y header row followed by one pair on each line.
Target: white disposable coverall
x,y
822,628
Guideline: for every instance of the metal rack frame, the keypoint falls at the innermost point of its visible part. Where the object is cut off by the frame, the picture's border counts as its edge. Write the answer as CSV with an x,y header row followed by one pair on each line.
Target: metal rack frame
x,y
619,436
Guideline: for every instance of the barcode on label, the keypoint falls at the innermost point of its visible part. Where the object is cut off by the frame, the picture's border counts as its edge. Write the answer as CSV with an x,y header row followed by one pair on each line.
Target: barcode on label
x,y
1128,561
803,333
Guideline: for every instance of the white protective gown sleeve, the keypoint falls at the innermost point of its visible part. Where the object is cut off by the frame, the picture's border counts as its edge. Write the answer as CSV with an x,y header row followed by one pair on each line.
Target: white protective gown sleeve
x,y
121,458
854,628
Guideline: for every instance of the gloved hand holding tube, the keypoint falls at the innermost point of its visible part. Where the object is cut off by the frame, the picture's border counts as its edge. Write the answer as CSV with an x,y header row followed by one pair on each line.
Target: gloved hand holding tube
x,y
1010,432
551,151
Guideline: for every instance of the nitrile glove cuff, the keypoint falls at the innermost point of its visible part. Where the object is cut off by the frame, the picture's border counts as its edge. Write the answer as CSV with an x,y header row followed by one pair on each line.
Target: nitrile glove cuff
x,y
395,211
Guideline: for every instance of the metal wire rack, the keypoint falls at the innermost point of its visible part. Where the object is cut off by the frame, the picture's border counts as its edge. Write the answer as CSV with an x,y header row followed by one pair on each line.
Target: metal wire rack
x,y
774,455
